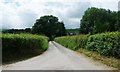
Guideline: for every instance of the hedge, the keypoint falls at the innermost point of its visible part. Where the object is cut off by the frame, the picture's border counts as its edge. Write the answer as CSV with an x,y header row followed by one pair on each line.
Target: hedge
x,y
107,44
15,46
73,42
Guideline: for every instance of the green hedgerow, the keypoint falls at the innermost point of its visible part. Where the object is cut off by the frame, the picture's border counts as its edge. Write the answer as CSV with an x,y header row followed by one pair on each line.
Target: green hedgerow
x,y
20,45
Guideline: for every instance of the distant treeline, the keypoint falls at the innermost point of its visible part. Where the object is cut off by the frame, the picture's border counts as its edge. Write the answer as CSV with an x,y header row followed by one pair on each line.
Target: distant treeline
x,y
17,31
72,31
28,30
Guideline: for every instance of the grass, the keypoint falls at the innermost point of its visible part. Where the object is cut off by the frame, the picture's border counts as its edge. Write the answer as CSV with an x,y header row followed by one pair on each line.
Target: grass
x,y
107,60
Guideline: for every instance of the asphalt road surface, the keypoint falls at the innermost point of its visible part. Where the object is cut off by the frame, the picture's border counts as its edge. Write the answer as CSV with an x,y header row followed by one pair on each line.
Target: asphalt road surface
x,y
57,57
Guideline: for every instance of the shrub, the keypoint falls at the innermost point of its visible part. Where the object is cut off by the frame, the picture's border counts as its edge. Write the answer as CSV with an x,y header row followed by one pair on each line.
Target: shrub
x,y
107,44
21,45
73,42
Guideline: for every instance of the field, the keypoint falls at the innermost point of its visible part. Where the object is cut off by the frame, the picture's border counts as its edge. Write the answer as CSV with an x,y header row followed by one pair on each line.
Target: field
x,y
21,46
104,44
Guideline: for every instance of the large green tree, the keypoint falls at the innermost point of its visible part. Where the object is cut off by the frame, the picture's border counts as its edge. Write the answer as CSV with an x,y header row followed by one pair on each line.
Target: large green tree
x,y
97,20
49,26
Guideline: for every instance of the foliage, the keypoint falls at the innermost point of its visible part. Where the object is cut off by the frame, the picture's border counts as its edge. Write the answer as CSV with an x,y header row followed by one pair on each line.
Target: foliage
x,y
73,42
74,31
99,20
50,26
17,31
67,41
117,25
20,45
107,44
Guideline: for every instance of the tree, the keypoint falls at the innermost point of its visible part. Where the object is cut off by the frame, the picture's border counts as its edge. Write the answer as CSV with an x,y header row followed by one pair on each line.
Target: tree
x,y
97,20
117,25
49,26
27,30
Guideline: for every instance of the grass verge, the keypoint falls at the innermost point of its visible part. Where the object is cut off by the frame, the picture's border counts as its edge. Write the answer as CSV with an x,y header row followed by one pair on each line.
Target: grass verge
x,y
107,60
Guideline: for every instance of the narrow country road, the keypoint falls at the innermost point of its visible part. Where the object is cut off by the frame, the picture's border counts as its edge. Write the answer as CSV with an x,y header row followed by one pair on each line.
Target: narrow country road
x,y
57,57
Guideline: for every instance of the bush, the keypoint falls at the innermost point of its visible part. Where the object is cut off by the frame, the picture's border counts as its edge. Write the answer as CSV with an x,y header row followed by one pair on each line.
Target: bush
x,y
16,46
73,42
107,44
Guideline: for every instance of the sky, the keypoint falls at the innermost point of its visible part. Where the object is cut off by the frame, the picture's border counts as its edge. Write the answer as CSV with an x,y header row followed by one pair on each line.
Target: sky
x,y
20,14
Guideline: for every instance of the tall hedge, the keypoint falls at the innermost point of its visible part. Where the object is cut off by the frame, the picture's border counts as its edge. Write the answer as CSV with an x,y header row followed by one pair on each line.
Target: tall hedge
x,y
73,42
21,45
107,44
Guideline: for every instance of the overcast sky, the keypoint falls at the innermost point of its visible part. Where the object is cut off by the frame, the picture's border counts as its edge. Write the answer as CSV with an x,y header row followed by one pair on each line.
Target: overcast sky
x,y
23,13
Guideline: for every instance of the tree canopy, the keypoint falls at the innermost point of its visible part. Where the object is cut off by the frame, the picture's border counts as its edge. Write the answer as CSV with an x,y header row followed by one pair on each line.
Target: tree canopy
x,y
97,20
49,26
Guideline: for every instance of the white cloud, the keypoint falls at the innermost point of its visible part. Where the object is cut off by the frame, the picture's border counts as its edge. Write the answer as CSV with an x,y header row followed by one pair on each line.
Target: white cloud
x,y
10,18
23,13
27,17
106,4
119,5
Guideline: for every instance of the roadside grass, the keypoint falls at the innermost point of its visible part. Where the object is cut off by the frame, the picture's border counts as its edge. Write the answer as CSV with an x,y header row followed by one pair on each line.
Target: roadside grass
x,y
107,60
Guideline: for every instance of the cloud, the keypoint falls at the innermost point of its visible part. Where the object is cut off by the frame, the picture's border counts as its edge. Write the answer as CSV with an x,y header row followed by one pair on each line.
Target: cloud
x,y
70,12
119,5
107,5
16,17
23,13
27,17
78,9
10,16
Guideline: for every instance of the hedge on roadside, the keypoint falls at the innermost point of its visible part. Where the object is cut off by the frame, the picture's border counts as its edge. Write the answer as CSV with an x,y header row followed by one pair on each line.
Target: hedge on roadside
x,y
73,42
15,46
107,44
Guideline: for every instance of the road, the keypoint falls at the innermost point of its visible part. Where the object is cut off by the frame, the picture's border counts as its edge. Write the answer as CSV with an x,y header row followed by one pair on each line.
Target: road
x,y
57,57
